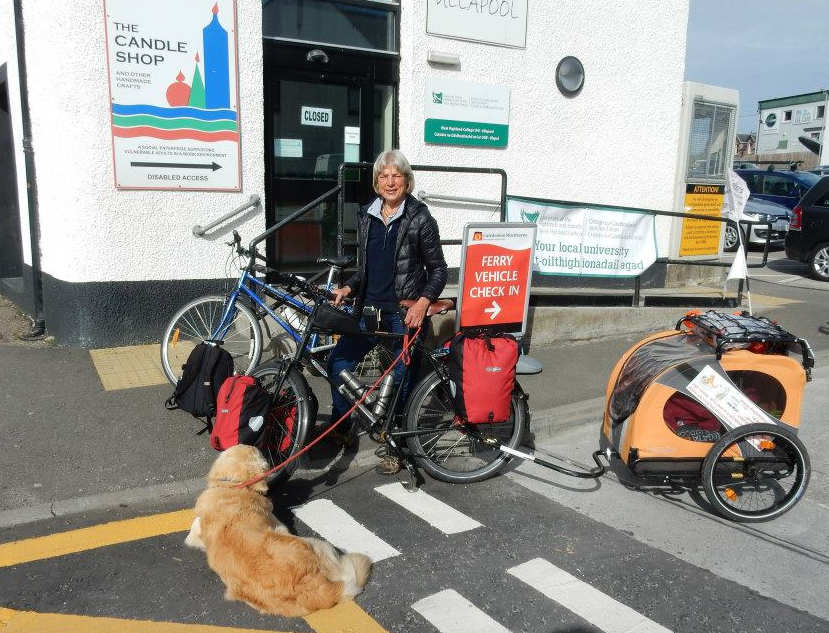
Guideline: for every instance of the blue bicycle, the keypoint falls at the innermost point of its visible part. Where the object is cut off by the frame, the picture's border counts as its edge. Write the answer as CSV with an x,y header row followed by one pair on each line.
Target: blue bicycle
x,y
240,321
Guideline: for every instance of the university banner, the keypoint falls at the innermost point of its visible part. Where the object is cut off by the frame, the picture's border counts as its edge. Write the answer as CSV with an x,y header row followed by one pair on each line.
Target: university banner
x,y
587,240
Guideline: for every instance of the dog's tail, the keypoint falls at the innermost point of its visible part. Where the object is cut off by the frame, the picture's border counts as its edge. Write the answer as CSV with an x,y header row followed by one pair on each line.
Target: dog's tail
x,y
354,573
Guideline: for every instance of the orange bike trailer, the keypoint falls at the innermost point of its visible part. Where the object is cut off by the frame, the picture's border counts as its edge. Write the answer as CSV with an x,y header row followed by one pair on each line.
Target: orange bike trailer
x,y
715,401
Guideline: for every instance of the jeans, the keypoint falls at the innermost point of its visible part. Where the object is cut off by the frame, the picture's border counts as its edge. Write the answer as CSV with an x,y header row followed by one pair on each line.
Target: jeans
x,y
350,349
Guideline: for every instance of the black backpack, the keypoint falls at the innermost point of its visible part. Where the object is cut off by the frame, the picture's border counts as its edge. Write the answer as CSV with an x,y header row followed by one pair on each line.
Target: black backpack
x,y
207,367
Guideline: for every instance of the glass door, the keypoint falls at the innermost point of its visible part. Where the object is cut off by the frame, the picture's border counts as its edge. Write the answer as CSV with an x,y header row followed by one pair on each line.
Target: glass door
x,y
319,116
316,127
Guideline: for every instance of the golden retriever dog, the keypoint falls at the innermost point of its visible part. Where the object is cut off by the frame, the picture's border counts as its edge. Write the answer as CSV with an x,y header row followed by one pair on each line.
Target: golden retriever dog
x,y
258,560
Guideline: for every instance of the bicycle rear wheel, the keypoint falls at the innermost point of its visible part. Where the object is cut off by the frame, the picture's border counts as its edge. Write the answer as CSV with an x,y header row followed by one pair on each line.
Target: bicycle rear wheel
x,y
290,419
197,321
755,472
448,453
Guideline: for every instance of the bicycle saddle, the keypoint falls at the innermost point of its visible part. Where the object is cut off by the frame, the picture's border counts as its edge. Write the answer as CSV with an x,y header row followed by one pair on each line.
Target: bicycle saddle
x,y
339,262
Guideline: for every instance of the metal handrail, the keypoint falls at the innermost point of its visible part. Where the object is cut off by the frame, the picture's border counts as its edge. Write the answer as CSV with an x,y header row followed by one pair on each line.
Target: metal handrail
x,y
295,215
254,201
435,168
441,198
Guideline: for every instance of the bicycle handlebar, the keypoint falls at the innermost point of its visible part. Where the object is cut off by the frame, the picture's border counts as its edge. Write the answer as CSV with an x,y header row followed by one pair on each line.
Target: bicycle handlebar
x,y
237,247
289,279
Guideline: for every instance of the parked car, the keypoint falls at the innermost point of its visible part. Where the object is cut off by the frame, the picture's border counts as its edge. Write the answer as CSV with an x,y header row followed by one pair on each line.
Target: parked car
x,y
784,187
758,211
823,170
741,164
808,236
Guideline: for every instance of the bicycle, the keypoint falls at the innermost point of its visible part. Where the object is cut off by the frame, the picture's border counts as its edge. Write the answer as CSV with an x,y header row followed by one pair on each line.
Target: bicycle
x,y
238,319
425,435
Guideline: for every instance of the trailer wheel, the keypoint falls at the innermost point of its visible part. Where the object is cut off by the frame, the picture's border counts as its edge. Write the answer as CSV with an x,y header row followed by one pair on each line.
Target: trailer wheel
x,y
755,472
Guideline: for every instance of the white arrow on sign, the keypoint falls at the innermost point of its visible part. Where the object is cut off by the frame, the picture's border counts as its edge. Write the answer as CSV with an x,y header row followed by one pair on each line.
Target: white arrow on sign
x,y
495,309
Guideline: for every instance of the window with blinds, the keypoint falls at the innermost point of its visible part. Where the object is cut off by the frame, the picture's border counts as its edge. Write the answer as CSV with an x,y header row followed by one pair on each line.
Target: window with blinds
x,y
710,145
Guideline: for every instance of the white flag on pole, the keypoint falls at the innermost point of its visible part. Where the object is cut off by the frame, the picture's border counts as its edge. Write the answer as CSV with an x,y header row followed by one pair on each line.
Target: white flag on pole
x,y
739,195
738,268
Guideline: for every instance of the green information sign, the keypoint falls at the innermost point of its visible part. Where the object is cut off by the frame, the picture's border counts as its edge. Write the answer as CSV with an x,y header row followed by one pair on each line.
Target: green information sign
x,y
465,133
465,113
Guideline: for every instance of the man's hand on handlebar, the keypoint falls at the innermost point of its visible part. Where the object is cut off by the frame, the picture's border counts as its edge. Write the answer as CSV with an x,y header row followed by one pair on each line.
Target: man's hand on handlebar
x,y
339,294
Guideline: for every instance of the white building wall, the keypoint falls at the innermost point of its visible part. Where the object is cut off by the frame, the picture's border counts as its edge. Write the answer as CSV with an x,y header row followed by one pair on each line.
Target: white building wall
x,y
90,231
615,143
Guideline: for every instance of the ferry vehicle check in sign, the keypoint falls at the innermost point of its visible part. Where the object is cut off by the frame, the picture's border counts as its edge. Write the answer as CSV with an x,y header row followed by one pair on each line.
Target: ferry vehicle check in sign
x,y
495,276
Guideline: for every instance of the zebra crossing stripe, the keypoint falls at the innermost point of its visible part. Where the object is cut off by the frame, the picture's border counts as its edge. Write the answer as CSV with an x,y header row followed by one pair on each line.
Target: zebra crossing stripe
x,y
584,600
434,511
341,529
450,612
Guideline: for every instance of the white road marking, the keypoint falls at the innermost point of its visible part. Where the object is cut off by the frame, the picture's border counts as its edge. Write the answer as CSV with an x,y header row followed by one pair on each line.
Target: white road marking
x,y
450,612
434,511
583,599
341,529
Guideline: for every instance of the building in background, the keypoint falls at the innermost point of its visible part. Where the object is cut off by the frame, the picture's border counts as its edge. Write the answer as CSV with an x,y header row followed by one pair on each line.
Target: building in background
x,y
792,128
159,116
746,145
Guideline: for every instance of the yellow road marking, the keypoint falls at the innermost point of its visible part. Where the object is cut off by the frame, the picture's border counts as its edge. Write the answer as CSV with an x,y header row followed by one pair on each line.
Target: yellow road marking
x,y
31,622
64,543
347,617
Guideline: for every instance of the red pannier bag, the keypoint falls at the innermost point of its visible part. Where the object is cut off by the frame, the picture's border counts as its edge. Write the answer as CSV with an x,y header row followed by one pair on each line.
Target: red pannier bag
x,y
482,367
241,410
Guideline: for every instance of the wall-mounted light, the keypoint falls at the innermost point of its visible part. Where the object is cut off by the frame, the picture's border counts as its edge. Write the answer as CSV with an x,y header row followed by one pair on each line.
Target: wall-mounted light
x,y
570,76
447,59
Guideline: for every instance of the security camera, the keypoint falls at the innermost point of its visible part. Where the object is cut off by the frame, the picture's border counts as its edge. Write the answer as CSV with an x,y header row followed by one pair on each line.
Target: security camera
x,y
317,55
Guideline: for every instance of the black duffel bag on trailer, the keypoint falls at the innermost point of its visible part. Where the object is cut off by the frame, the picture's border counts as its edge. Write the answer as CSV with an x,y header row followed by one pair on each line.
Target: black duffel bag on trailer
x,y
481,365
327,318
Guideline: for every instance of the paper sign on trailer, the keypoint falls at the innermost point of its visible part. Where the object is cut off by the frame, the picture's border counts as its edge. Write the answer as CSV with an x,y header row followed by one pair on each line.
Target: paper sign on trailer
x,y
496,275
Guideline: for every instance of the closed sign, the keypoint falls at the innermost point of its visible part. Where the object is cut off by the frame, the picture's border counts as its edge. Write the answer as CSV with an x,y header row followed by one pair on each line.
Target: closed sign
x,y
316,116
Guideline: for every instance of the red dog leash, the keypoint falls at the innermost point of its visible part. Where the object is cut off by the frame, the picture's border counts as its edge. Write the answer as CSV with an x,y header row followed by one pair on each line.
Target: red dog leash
x,y
404,355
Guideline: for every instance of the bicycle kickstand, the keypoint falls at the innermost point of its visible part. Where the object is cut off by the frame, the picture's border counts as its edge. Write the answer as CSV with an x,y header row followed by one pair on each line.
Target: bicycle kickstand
x,y
415,479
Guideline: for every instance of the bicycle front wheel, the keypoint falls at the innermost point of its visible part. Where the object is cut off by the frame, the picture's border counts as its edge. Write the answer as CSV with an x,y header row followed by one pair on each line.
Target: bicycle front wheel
x,y
290,418
198,321
755,472
444,450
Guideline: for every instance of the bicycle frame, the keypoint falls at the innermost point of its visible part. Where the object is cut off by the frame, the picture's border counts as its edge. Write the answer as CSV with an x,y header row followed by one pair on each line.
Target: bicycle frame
x,y
367,419
243,286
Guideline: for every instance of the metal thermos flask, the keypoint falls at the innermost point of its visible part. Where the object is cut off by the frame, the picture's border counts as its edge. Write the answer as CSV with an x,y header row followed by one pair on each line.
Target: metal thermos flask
x,y
384,393
356,386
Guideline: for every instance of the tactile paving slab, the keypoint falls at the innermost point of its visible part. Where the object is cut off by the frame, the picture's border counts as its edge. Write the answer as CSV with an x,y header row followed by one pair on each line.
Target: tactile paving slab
x,y
128,367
